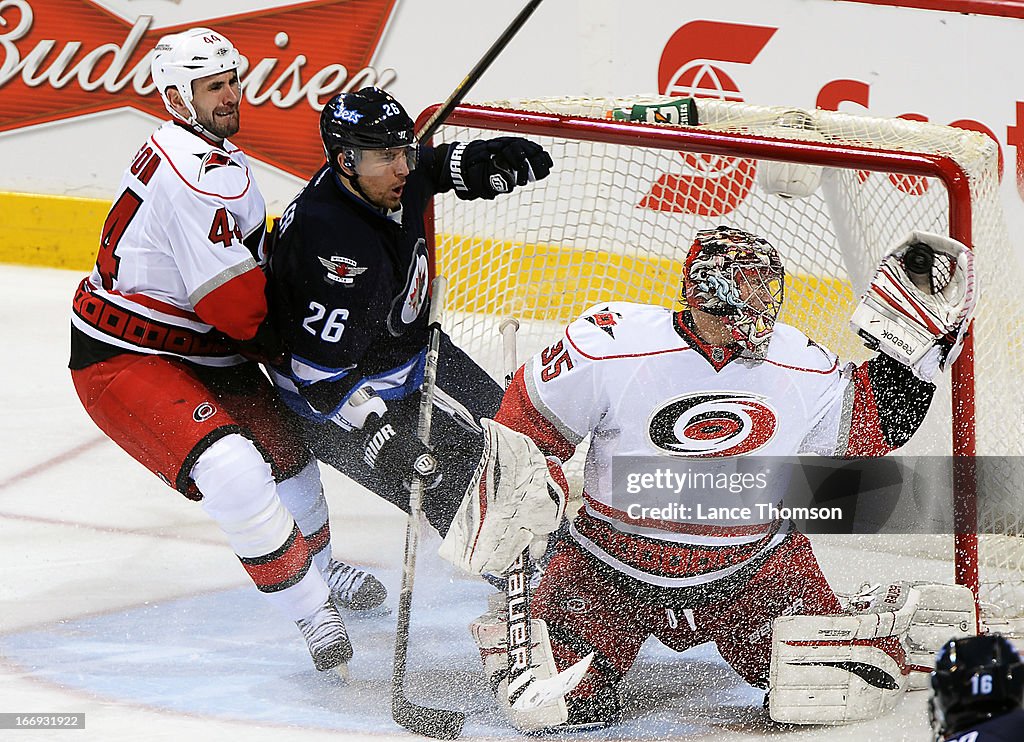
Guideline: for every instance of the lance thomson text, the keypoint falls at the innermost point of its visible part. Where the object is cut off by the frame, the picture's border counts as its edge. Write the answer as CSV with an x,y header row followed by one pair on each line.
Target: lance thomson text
x,y
757,513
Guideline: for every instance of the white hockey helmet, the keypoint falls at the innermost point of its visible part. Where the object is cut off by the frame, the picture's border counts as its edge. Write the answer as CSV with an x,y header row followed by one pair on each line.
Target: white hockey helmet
x,y
180,59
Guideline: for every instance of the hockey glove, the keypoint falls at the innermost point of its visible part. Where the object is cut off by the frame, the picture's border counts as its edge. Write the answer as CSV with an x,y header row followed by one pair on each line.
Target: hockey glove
x,y
919,304
386,447
485,168
265,346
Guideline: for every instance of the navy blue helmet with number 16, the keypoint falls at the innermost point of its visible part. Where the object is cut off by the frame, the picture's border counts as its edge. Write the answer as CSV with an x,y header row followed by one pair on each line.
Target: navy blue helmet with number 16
x,y
975,678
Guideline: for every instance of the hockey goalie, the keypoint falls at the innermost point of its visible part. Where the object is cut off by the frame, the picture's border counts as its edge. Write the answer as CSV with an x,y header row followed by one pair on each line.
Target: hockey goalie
x,y
639,380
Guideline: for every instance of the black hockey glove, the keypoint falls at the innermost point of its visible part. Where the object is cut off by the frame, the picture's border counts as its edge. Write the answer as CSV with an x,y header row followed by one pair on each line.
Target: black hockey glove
x,y
385,447
485,168
265,347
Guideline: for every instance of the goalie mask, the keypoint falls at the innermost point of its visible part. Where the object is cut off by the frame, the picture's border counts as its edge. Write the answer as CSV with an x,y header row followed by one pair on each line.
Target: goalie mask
x,y
368,119
737,276
975,678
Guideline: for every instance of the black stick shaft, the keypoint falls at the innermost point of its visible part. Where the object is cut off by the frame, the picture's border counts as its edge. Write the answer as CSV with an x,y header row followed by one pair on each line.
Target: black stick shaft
x,y
431,722
431,125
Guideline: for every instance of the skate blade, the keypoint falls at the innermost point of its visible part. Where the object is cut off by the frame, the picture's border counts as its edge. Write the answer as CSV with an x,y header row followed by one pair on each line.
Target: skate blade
x,y
341,672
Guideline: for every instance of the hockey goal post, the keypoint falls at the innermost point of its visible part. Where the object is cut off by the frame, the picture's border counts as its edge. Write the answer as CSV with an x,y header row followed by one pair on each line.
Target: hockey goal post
x,y
614,219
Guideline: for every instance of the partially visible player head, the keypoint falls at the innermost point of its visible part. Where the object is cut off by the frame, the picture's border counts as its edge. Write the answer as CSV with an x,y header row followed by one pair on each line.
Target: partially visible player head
x,y
196,72
370,143
975,678
736,277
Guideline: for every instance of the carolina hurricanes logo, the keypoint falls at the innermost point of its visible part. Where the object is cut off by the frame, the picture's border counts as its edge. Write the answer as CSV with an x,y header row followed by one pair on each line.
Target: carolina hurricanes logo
x,y
713,424
69,58
605,320
214,160
712,185
204,412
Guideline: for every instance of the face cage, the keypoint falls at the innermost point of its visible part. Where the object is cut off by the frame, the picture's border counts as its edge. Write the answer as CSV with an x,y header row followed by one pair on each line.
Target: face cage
x,y
355,158
747,297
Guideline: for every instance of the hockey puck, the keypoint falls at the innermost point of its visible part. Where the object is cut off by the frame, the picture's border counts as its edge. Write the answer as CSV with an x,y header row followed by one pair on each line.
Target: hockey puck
x,y
918,259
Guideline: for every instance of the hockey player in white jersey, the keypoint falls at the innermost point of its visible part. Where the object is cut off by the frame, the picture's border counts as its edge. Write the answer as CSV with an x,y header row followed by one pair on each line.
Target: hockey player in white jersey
x,y
162,335
719,379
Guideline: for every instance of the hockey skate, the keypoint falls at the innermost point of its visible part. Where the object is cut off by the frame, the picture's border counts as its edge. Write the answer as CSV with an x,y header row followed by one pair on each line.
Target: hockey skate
x,y
353,588
325,635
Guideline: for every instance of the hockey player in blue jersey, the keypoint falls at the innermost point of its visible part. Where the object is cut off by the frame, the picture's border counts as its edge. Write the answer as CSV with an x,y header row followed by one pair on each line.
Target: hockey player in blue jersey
x,y
348,291
978,691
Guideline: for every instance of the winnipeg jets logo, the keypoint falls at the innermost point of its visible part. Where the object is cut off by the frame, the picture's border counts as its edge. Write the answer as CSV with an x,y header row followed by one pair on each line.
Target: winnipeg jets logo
x,y
341,269
417,292
408,305
348,115
605,320
713,424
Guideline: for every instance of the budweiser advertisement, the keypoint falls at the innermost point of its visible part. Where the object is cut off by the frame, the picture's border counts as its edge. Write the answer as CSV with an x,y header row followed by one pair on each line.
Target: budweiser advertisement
x,y
70,58
76,94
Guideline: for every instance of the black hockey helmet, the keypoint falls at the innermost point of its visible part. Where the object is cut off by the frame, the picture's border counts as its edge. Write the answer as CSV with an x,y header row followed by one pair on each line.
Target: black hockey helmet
x,y
975,678
369,118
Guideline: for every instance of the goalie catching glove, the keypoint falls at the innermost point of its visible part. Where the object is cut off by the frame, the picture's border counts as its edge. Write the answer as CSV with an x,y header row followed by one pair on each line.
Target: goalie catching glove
x,y
919,304
486,168
514,500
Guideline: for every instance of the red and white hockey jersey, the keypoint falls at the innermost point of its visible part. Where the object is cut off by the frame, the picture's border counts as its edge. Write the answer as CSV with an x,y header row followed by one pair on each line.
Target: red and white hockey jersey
x,y
179,265
640,383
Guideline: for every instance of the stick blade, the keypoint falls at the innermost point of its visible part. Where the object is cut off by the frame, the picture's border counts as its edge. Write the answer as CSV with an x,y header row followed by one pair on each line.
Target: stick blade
x,y
435,723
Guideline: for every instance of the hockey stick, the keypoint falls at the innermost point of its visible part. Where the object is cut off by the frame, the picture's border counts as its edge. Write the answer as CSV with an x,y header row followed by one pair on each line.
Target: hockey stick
x,y
519,630
430,722
438,117
525,691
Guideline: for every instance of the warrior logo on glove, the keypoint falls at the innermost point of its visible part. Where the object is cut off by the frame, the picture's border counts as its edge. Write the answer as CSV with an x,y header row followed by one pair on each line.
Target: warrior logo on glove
x,y
487,168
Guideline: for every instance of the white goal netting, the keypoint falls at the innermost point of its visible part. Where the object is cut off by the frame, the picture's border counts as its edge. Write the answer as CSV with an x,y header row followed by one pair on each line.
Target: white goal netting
x,y
617,214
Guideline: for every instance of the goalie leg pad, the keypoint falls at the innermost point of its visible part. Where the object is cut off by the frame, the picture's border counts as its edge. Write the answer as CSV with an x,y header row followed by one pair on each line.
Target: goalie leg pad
x,y
489,632
840,669
943,611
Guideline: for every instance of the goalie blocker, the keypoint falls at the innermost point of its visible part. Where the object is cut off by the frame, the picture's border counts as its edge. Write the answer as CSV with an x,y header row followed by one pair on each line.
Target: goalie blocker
x,y
919,304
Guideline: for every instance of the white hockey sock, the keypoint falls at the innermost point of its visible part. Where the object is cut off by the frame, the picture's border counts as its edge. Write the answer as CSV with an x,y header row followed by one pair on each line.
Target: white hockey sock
x,y
303,598
240,495
303,496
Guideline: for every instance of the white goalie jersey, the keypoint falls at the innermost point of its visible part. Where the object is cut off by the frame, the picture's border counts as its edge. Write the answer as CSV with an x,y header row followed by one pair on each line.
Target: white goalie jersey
x,y
636,379
178,267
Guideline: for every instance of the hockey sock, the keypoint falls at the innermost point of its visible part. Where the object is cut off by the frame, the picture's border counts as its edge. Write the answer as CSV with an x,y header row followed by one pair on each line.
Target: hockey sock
x,y
303,496
240,495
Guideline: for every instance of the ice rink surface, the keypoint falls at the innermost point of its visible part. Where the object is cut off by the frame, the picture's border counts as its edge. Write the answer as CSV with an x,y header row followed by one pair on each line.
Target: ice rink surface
x,y
121,600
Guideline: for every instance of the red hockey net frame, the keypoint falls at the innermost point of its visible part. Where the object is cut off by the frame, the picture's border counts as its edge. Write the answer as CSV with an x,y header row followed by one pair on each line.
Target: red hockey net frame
x,y
828,154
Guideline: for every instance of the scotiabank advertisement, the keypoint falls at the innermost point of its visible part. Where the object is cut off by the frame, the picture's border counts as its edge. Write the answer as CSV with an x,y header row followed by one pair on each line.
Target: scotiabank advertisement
x,y
76,98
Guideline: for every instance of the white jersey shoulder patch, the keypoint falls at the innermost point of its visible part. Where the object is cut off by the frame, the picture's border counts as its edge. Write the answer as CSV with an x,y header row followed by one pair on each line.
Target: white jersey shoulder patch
x,y
622,329
208,170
